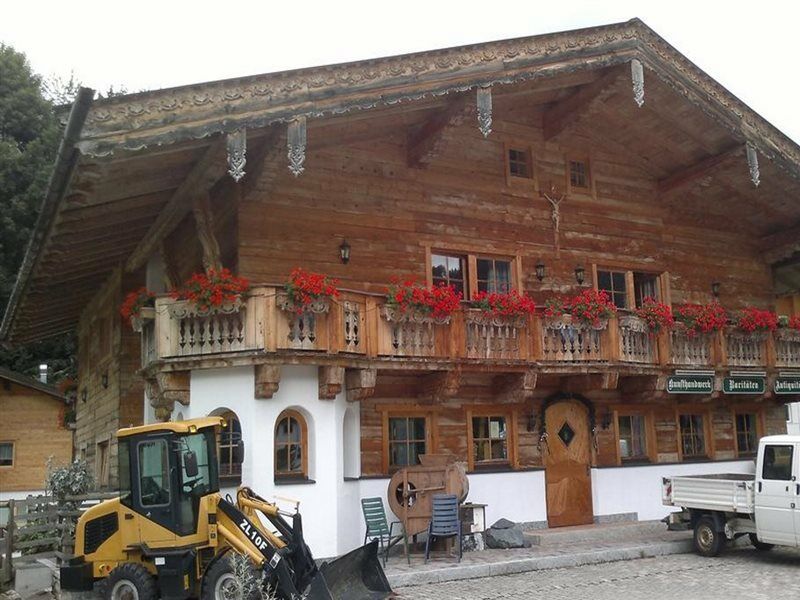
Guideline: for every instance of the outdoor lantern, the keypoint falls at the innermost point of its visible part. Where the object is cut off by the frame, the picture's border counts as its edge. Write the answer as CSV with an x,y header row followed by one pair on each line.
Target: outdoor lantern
x,y
540,270
344,252
580,274
715,288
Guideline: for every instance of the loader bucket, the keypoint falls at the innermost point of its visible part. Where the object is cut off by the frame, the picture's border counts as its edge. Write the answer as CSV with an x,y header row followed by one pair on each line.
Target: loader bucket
x,y
357,575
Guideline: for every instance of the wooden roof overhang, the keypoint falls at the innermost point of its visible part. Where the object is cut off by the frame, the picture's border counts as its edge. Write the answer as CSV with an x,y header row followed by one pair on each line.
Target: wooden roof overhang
x,y
129,165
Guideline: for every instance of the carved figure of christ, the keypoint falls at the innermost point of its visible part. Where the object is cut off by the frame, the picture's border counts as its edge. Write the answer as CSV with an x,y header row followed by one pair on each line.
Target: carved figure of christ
x,y
555,198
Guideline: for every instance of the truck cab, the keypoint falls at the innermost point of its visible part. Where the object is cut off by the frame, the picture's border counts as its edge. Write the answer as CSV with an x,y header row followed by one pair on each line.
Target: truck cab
x,y
777,490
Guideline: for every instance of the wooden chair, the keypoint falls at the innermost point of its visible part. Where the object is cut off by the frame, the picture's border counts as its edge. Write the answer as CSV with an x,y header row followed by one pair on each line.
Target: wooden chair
x,y
444,521
378,528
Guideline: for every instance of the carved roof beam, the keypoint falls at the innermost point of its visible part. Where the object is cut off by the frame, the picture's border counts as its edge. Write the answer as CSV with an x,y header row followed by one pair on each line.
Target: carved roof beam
x,y
569,111
428,142
206,172
697,171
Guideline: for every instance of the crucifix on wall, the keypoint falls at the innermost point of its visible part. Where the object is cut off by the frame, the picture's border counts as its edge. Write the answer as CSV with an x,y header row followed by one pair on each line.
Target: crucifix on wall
x,y
555,196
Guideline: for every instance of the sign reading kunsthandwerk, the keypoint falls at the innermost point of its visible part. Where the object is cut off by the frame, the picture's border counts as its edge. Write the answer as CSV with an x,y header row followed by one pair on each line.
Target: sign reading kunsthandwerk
x,y
690,384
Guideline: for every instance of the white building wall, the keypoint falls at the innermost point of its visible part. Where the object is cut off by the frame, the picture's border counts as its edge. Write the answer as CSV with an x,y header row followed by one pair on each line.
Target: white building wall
x,y
793,424
631,489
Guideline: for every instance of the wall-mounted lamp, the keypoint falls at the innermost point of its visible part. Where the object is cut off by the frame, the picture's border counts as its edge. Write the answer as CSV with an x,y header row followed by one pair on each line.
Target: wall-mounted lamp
x,y
580,274
532,421
104,379
715,285
84,395
605,421
540,270
344,252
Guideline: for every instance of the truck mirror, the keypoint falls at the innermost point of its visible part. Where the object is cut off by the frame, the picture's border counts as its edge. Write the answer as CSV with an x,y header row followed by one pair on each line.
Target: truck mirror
x,y
238,452
190,463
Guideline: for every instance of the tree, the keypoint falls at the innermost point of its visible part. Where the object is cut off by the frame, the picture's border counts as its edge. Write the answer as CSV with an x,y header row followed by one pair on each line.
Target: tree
x,y
29,136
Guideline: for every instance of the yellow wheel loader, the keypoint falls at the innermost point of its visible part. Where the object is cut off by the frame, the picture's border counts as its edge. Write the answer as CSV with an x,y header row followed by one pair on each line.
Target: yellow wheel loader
x,y
170,533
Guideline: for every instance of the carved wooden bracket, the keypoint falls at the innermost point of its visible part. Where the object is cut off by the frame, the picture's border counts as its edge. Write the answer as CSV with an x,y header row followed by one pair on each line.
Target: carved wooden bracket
x,y
331,380
267,377
360,384
443,384
165,390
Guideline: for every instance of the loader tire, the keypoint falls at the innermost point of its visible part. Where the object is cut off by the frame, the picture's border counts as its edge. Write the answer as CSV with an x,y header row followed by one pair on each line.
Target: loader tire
x,y
707,540
219,576
129,581
763,546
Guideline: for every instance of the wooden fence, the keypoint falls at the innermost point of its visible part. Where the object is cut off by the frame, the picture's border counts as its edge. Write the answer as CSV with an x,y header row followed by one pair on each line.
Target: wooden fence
x,y
39,526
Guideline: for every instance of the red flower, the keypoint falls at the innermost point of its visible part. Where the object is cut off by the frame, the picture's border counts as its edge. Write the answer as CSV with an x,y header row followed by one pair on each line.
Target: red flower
x,y
212,289
701,318
752,319
437,301
656,314
134,303
304,287
508,304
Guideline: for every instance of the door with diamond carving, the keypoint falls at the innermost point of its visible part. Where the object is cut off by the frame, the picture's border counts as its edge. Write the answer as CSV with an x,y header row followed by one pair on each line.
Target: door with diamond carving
x,y
567,462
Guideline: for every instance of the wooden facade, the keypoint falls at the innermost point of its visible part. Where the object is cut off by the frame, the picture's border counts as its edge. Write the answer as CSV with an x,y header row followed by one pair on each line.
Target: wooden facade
x,y
539,152
33,432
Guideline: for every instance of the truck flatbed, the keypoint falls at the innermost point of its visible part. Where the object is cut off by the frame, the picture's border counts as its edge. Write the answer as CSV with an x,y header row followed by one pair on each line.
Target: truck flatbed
x,y
724,492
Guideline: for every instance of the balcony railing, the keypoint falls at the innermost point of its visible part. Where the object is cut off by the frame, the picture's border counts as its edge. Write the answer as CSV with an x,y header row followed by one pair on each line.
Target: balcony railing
x,y
361,324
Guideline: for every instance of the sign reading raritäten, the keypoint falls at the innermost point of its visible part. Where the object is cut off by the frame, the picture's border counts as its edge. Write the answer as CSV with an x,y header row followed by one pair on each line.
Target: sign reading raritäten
x,y
744,384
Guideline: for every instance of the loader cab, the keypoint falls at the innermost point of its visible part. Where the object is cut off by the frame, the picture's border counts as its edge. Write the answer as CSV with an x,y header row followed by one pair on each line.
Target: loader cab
x,y
164,474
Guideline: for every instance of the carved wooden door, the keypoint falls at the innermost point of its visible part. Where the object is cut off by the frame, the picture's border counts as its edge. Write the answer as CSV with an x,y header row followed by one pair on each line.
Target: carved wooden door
x,y
567,459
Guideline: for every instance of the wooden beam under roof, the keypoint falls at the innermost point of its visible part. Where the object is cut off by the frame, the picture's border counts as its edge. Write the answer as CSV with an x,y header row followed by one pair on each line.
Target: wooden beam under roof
x,y
699,169
572,108
426,143
205,173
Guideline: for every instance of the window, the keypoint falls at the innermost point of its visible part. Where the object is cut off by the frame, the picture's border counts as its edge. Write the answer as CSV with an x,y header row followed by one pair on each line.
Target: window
x,y
230,465
449,270
777,463
407,440
291,453
102,461
6,454
153,473
613,282
746,434
578,174
494,275
489,439
519,163
632,437
195,478
692,431
645,285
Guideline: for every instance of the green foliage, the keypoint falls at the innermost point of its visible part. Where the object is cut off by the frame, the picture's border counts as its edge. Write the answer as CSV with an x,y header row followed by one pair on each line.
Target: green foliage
x,y
71,480
29,137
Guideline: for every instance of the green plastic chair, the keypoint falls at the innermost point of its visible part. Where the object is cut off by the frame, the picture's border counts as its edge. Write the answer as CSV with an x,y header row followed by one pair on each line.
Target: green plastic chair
x,y
379,529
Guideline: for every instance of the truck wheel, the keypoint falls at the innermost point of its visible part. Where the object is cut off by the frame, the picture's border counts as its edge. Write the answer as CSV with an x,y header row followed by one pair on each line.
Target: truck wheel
x,y
707,540
218,581
130,581
760,545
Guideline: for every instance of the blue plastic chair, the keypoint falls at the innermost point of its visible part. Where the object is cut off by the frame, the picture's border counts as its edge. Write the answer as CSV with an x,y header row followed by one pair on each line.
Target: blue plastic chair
x,y
444,521
379,529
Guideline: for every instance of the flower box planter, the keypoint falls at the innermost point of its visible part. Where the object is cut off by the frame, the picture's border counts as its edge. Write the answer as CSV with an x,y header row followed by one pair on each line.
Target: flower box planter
x,y
411,333
568,339
495,337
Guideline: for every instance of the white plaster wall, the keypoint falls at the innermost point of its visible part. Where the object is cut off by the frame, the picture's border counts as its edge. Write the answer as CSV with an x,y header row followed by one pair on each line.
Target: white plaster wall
x,y
793,424
638,489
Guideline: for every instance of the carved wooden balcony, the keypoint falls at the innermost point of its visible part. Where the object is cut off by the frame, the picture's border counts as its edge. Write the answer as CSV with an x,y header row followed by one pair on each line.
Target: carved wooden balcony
x,y
787,348
745,349
691,350
567,340
637,344
495,338
411,334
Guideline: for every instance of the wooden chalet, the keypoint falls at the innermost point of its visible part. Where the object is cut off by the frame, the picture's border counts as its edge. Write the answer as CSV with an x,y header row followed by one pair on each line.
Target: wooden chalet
x,y
33,431
599,158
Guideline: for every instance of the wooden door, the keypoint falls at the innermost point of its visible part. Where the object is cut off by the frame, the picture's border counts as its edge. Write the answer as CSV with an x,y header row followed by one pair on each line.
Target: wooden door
x,y
567,465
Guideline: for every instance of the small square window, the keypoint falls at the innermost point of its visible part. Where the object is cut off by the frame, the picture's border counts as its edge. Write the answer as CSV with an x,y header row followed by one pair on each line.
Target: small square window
x,y
519,163
448,270
578,174
613,282
6,454
489,439
494,275
407,440
746,435
645,286
693,436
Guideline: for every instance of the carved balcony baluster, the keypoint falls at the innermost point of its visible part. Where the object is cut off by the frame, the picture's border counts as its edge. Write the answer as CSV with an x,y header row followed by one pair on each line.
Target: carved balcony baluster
x,y
745,349
787,348
568,340
690,350
636,342
494,337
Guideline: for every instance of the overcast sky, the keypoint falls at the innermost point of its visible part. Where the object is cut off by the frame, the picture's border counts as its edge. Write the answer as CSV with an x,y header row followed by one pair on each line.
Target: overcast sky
x,y
750,47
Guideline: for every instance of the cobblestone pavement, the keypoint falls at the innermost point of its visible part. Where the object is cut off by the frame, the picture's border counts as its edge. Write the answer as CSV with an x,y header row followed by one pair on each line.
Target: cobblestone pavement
x,y
742,573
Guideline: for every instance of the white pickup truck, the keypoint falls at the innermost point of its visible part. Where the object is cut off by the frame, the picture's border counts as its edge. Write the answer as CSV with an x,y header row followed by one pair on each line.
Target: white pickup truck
x,y
719,508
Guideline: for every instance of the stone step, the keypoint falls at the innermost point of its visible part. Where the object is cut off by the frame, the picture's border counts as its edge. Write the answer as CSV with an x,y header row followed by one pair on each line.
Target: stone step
x,y
606,532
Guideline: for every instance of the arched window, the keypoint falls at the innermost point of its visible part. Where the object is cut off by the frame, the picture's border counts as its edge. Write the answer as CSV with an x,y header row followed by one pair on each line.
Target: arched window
x,y
291,445
230,465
